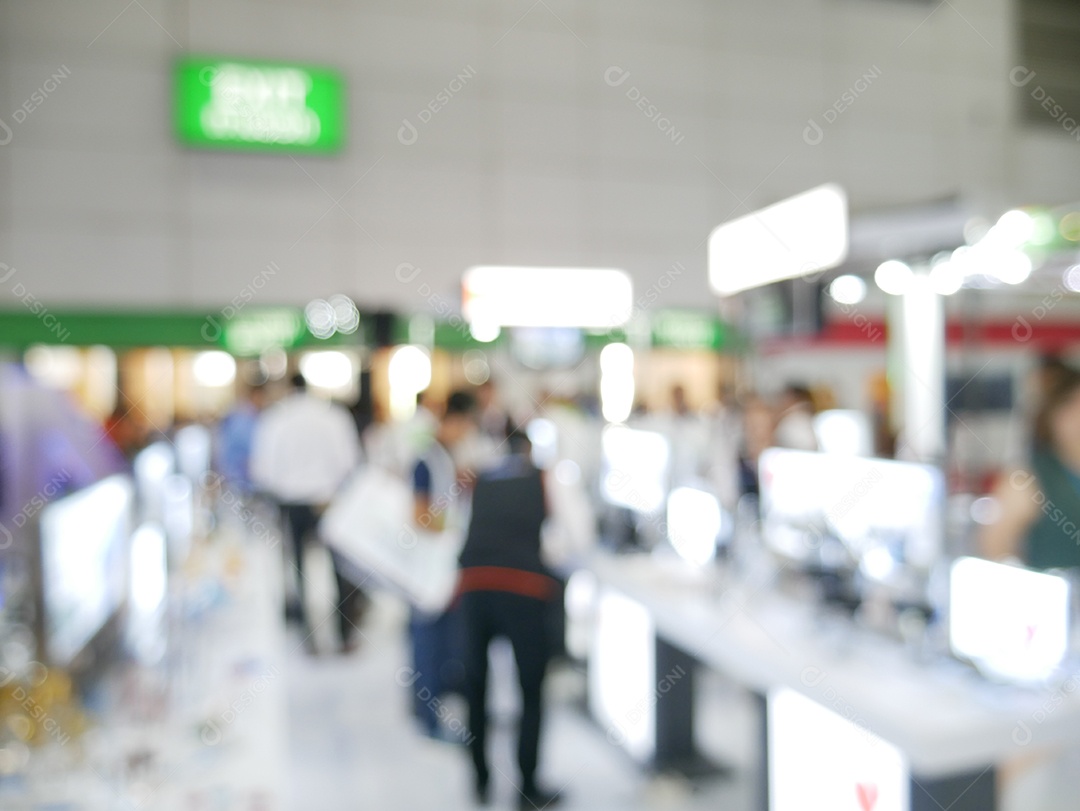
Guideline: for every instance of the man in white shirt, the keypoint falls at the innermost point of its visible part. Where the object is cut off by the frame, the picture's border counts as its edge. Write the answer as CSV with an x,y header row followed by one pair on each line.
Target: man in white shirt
x,y
688,432
303,449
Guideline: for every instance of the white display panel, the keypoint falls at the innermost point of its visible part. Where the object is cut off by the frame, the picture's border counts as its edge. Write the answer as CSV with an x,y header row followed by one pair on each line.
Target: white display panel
x,y
871,505
820,761
622,668
634,470
84,550
1013,623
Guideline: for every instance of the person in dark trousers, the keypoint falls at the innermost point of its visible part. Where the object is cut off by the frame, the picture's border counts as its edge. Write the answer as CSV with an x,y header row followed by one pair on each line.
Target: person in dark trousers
x,y
437,492
303,448
505,591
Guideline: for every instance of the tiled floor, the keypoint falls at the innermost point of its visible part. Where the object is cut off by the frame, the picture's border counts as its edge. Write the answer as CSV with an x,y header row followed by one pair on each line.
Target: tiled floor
x,y
354,746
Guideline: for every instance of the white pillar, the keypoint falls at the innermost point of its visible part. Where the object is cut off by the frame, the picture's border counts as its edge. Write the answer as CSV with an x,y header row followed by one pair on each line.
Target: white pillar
x,y
917,336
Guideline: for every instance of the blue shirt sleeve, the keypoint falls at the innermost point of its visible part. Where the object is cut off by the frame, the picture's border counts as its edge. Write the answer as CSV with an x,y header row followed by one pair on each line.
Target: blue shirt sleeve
x,y
421,478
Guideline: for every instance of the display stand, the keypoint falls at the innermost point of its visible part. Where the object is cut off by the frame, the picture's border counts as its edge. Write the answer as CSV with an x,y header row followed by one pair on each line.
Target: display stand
x,y
205,728
944,730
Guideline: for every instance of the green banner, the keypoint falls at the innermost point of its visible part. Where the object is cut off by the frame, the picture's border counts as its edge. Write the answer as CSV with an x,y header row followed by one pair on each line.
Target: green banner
x,y
248,333
263,106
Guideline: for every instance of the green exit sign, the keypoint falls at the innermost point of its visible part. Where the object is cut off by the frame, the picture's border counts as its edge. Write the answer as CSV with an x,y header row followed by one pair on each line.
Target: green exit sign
x,y
266,106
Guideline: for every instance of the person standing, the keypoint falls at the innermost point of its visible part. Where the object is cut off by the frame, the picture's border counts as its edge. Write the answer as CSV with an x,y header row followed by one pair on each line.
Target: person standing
x,y
757,435
688,435
235,435
303,448
493,419
437,490
505,590
1038,507
722,454
795,422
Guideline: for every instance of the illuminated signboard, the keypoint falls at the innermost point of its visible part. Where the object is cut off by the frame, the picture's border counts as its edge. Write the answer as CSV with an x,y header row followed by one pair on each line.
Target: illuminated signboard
x,y
253,333
687,329
240,104
546,297
795,237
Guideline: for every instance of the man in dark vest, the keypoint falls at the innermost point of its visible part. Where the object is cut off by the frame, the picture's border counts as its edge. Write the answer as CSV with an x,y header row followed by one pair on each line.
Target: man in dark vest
x,y
505,590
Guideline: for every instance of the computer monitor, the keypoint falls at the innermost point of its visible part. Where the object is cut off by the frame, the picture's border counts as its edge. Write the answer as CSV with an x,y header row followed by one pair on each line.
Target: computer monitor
x,y
634,469
193,451
153,466
1010,622
694,524
84,560
883,514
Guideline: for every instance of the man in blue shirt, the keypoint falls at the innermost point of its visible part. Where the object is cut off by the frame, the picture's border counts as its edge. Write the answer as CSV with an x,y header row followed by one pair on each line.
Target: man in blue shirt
x,y
235,434
437,491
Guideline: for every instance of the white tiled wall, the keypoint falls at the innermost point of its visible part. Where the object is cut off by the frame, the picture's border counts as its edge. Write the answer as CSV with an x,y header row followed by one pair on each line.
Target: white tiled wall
x,y
536,160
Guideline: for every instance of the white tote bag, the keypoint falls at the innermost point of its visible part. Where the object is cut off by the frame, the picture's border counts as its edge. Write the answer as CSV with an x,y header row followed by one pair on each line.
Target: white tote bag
x,y
369,523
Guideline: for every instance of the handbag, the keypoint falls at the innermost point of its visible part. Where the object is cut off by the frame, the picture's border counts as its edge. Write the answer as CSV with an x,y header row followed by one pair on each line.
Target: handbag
x,y
369,523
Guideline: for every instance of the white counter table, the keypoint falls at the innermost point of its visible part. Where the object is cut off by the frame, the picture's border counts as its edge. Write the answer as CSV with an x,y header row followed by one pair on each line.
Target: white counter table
x,y
951,727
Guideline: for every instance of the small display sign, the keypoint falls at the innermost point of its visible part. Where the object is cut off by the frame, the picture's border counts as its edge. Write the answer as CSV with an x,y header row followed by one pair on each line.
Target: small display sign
x,y
264,106
823,759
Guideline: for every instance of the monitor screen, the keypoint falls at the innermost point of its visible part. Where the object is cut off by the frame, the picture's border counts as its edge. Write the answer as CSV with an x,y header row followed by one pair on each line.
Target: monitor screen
x,y
634,468
84,549
193,451
820,759
152,467
874,507
694,524
547,347
1011,622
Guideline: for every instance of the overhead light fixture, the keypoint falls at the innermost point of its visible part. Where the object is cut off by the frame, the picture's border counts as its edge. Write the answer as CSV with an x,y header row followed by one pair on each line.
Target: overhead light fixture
x,y
946,277
1012,266
1013,228
410,373
1071,278
483,332
214,369
346,315
893,277
327,370
847,289
795,237
505,296
59,367
320,319
339,314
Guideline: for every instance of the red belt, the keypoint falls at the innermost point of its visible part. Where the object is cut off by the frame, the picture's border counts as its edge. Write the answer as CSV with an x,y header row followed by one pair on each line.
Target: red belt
x,y
500,578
